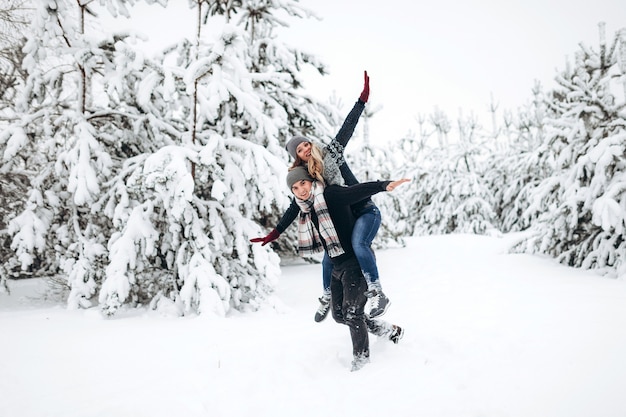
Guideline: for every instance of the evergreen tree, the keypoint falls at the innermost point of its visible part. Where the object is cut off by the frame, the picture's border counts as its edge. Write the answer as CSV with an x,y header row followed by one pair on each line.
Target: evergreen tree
x,y
14,18
580,208
13,23
149,176
238,92
51,142
452,194
394,208
519,165
411,158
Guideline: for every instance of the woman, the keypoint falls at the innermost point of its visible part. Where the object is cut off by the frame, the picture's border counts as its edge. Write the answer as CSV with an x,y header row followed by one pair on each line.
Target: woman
x,y
327,223
328,166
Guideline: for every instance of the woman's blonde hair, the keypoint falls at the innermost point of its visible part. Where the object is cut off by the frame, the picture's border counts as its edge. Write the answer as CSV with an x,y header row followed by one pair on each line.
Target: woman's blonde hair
x,y
315,164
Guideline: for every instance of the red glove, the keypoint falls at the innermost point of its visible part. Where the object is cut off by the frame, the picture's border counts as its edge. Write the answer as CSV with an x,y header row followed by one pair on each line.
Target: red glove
x,y
267,239
365,94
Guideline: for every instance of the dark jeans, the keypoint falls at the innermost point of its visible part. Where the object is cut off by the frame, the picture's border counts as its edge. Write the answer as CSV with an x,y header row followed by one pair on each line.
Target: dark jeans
x,y
347,293
347,289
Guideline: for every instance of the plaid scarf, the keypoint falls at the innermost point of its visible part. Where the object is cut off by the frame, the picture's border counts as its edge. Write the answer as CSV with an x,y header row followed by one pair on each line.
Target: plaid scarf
x,y
309,241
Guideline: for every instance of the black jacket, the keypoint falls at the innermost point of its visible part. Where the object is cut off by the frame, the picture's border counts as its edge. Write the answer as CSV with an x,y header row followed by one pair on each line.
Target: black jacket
x,y
339,200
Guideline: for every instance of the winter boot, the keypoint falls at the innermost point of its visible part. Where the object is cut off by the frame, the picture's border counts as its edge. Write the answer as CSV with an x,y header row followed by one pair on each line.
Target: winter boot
x,y
378,301
396,334
322,310
359,361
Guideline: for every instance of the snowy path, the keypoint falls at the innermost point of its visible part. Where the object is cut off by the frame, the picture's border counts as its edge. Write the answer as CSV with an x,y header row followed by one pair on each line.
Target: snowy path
x,y
488,334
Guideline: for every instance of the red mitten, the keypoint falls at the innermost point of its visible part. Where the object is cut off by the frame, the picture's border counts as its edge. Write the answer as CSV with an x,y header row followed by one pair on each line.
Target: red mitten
x,y
365,94
267,239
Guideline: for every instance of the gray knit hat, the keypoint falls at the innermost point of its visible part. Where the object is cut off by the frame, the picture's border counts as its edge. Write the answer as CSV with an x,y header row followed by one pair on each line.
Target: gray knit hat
x,y
296,174
293,143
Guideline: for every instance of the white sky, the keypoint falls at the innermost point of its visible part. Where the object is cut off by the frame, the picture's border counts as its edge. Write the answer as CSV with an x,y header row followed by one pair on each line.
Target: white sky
x,y
451,54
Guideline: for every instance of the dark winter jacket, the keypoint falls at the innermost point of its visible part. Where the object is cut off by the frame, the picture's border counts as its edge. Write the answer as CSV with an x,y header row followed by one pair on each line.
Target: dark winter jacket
x,y
335,149
339,201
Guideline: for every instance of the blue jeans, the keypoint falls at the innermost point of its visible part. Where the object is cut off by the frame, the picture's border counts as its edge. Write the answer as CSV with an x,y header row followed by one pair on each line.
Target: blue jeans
x,y
365,229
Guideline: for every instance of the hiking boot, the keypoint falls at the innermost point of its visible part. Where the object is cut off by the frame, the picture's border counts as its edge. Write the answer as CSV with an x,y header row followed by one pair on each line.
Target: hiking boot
x,y
322,310
358,362
396,334
379,303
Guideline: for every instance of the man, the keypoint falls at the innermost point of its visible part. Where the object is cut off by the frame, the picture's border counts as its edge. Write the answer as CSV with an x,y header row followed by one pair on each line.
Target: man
x,y
326,223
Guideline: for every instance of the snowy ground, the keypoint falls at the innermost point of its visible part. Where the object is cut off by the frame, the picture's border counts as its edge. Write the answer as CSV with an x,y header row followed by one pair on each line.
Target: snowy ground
x,y
487,334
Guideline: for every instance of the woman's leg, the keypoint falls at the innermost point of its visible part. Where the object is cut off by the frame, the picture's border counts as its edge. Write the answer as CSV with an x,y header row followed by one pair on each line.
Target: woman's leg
x,y
365,229
327,272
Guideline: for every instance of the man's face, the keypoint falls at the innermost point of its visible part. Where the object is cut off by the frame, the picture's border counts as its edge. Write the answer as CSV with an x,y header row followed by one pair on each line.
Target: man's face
x,y
304,151
302,189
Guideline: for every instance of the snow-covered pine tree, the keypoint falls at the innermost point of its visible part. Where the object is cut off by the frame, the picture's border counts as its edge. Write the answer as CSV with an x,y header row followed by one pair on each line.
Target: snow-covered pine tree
x,y
110,141
412,155
185,214
581,207
279,89
14,19
13,23
51,140
453,193
394,206
518,166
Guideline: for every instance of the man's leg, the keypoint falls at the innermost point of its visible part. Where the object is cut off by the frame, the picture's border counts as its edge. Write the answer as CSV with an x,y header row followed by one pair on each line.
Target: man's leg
x,y
336,297
383,329
348,301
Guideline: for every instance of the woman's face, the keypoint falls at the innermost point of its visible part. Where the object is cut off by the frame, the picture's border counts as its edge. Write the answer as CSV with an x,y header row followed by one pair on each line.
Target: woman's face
x,y
304,151
302,189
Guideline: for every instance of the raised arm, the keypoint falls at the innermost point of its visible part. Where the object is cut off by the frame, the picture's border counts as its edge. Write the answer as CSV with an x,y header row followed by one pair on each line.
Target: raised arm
x,y
349,124
347,174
